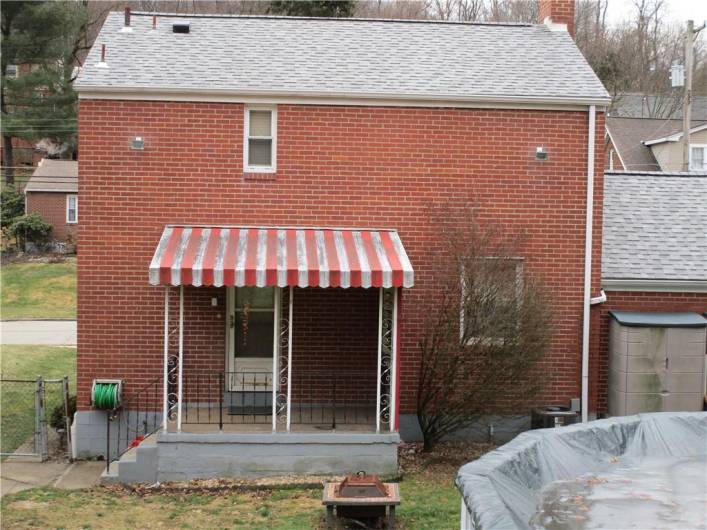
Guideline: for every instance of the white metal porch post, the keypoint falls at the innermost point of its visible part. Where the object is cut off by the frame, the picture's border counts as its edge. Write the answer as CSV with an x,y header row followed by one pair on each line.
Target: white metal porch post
x,y
181,358
165,370
289,355
394,363
380,359
275,381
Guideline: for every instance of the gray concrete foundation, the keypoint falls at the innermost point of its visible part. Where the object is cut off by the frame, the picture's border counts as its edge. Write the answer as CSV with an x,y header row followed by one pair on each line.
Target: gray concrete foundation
x,y
166,457
192,456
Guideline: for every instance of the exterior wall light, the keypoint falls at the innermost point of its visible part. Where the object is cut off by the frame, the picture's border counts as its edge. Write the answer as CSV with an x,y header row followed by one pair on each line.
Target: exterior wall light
x,y
540,153
137,143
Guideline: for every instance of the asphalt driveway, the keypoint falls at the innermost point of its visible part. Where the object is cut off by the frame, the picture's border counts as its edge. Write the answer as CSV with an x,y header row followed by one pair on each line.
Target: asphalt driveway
x,y
53,332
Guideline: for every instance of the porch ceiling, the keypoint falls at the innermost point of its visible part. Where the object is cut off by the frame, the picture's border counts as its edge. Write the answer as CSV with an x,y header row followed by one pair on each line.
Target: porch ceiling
x,y
282,257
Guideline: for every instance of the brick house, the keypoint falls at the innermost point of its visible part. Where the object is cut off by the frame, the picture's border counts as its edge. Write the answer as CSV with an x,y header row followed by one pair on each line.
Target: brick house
x,y
254,238
654,262
52,192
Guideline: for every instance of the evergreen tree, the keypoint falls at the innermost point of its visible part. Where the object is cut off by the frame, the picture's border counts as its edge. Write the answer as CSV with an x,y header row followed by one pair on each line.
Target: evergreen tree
x,y
40,40
312,8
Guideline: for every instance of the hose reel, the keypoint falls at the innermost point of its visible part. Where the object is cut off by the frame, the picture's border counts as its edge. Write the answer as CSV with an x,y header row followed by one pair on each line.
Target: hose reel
x,y
106,393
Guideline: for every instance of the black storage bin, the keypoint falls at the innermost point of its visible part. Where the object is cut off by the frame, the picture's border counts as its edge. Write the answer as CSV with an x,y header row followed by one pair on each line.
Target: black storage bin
x,y
552,416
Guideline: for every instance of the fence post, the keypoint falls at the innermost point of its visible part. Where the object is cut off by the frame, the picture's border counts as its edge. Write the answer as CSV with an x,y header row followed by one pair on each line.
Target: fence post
x,y
67,419
220,400
41,423
108,442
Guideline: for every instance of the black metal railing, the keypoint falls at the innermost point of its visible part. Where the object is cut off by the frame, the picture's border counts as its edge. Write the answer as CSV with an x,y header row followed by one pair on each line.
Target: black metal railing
x,y
326,398
136,418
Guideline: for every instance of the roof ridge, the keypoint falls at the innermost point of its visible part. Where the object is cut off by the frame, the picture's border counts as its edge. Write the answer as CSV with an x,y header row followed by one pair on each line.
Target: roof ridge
x,y
348,19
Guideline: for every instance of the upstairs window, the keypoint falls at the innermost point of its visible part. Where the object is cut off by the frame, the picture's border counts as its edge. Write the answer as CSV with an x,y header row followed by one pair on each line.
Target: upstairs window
x,y
72,209
698,157
260,142
11,70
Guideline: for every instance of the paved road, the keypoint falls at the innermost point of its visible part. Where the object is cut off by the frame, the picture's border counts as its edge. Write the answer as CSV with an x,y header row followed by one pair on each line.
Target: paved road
x,y
58,332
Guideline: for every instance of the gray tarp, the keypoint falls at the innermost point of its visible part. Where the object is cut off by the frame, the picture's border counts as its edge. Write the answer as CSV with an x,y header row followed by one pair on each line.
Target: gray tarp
x,y
502,489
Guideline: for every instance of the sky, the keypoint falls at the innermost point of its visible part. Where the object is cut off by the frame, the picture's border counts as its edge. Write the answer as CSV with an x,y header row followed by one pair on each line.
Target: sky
x,y
677,11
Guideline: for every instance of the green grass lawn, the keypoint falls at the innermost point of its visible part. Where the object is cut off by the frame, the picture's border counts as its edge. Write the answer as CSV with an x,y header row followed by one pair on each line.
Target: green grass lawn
x,y
17,399
427,503
38,290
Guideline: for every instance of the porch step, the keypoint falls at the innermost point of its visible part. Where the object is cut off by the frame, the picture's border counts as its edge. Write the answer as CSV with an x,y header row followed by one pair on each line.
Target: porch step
x,y
136,465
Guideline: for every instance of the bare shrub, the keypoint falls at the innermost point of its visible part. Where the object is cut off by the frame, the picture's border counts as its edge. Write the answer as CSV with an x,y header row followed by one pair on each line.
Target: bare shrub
x,y
487,327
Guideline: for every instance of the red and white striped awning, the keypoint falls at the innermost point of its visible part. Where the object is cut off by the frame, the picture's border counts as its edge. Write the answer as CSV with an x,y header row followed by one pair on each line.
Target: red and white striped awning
x,y
260,257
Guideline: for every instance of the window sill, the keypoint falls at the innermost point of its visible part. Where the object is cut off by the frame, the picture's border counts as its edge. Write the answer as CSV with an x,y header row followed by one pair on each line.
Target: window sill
x,y
259,177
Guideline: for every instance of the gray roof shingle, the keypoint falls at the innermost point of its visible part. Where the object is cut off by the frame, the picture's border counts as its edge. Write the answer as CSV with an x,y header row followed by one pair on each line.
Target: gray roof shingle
x,y
56,176
654,226
628,135
341,57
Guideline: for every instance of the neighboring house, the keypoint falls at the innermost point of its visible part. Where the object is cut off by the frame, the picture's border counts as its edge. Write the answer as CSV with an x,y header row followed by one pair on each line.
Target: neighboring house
x,y
52,192
647,144
255,233
668,149
654,256
652,106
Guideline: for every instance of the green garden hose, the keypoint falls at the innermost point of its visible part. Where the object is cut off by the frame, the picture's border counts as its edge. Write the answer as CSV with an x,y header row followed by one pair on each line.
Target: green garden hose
x,y
105,396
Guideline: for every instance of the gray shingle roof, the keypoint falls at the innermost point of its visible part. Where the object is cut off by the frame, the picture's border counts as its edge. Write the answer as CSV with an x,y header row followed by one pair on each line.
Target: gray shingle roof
x,y
629,133
341,57
654,226
56,176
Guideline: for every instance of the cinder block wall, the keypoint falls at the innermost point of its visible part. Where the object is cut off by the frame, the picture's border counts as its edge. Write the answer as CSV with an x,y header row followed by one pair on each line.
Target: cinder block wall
x,y
337,166
628,301
52,207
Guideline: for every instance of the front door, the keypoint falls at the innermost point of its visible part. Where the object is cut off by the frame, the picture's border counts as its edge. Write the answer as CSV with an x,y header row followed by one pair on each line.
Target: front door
x,y
252,339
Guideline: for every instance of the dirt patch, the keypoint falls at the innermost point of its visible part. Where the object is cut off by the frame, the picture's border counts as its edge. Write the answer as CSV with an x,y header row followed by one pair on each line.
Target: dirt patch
x,y
28,505
445,459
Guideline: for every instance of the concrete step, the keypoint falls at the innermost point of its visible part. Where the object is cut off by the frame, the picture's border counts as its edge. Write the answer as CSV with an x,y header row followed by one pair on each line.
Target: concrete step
x,y
137,465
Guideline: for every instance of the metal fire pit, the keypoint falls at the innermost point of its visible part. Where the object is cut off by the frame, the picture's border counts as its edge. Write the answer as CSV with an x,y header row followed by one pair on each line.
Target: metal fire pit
x,y
361,496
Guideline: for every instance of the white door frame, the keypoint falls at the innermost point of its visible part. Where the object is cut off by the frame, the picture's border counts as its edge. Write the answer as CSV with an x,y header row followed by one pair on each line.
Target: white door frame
x,y
230,361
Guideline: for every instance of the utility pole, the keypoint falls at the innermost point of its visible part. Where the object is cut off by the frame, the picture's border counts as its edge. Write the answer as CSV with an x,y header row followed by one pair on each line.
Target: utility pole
x,y
687,98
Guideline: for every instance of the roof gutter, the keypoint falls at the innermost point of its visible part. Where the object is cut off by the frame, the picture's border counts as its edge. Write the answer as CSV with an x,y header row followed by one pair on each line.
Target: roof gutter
x,y
656,286
675,137
588,263
274,96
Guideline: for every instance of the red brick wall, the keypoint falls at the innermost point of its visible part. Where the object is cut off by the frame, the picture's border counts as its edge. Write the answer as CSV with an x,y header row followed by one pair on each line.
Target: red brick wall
x,y
628,301
560,11
337,166
52,207
335,336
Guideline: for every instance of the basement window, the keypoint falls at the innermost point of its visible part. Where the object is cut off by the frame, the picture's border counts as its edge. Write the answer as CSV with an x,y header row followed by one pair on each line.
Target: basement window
x,y
260,140
72,209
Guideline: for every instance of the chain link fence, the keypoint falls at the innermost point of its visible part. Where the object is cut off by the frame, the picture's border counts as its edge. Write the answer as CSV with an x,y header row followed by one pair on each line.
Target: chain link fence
x,y
26,410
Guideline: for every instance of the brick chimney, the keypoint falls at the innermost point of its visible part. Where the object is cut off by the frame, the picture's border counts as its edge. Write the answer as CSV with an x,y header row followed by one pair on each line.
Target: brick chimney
x,y
559,12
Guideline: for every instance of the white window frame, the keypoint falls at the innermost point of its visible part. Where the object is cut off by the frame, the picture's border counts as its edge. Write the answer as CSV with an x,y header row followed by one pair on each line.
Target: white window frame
x,y
68,203
704,155
14,75
247,168
519,291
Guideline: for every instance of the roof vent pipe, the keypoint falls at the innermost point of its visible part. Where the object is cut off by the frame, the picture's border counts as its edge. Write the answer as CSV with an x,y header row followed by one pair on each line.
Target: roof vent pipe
x,y
180,27
126,28
102,63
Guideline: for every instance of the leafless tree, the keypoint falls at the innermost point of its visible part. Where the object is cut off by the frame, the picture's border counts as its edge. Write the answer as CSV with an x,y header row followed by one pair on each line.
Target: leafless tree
x,y
487,328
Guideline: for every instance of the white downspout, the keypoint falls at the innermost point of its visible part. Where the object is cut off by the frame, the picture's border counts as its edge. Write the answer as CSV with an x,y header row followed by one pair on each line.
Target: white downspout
x,y
588,263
